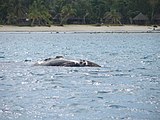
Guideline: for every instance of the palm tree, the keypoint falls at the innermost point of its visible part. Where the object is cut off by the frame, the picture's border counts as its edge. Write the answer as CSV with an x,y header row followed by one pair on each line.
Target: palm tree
x,y
56,8
19,9
34,12
98,9
83,9
4,6
12,10
38,12
66,12
113,16
153,4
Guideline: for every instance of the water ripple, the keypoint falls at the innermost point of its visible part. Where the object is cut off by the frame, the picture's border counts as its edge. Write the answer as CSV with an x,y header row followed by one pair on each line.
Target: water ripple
x,y
117,106
125,87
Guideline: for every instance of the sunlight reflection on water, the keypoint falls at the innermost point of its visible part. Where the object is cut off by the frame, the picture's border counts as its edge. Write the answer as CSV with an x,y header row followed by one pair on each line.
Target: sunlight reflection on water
x,y
125,87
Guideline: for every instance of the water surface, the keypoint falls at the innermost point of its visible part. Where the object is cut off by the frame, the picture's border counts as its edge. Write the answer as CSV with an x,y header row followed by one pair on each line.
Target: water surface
x,y
127,86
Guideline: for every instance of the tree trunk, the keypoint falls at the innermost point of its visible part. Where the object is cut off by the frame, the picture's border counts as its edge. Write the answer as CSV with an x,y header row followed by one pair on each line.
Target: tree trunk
x,y
152,15
32,23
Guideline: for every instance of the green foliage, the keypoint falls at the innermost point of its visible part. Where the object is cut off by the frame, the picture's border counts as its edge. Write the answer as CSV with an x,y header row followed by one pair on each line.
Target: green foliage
x,y
42,12
12,10
66,12
39,13
113,17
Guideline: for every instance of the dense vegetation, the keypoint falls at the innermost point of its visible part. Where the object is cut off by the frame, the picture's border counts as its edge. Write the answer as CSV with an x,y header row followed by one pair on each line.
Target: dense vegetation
x,y
46,12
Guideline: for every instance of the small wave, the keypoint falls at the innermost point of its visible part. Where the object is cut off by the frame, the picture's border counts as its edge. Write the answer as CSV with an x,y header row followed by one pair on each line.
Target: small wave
x,y
106,91
103,92
93,82
113,54
142,68
38,74
100,97
2,77
117,106
146,57
2,56
122,75
74,71
155,89
117,70
148,61
73,97
93,72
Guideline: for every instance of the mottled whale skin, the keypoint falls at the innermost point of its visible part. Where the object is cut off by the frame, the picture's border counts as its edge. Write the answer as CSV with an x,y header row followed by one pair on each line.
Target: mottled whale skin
x,y
61,61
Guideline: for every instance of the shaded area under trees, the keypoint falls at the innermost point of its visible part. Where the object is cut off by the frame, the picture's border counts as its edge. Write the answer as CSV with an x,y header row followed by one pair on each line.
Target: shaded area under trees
x,y
47,12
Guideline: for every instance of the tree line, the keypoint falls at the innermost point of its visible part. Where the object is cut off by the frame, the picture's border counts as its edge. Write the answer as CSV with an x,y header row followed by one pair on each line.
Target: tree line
x,y
47,12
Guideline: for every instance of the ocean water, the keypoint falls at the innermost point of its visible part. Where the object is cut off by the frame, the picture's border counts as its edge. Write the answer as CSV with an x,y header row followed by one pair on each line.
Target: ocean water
x,y
126,87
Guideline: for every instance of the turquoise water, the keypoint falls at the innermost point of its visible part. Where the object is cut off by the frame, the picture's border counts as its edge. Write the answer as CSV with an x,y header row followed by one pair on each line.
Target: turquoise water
x,y
127,86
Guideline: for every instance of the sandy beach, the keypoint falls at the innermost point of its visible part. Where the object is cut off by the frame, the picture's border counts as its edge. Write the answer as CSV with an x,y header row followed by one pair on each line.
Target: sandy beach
x,y
79,28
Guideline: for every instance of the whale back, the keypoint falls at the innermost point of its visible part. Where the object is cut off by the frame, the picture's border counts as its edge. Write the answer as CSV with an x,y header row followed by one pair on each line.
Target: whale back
x,y
91,64
61,61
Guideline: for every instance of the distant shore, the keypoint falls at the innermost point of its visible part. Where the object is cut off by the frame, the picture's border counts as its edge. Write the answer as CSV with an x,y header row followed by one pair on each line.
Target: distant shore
x,y
81,28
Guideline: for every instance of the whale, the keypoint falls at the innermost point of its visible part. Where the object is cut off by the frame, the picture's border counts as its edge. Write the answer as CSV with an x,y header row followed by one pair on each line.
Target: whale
x,y
61,61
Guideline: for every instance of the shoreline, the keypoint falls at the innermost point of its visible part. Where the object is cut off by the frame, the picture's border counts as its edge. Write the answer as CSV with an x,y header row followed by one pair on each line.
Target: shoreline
x,y
81,29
